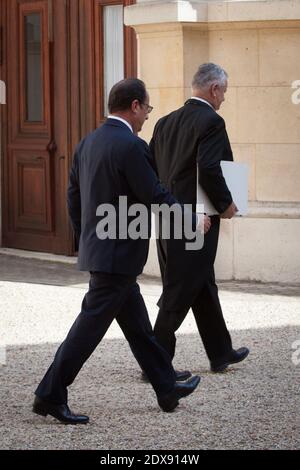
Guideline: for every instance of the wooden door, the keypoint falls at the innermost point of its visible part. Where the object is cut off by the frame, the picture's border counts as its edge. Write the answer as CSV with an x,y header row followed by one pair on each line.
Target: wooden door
x,y
36,143
54,67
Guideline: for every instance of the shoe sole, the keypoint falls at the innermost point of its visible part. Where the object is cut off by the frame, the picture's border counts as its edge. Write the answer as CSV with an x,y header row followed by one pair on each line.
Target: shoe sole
x,y
171,408
224,366
186,394
145,379
39,411
42,412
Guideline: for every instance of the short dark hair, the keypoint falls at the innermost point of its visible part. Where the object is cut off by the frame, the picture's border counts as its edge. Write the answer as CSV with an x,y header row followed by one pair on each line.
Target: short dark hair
x,y
124,93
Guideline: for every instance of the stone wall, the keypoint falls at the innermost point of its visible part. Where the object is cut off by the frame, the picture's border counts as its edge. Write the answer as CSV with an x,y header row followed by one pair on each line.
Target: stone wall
x,y
258,43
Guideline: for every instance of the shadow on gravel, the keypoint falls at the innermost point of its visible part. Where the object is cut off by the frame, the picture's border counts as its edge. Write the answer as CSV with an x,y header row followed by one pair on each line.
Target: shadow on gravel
x,y
252,406
260,288
17,269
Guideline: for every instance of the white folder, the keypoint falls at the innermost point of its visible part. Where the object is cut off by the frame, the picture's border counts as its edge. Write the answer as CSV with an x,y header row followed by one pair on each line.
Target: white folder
x,y
236,177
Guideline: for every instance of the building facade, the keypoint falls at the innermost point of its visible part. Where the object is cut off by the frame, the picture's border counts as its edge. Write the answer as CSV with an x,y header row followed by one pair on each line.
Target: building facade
x,y
59,59
258,43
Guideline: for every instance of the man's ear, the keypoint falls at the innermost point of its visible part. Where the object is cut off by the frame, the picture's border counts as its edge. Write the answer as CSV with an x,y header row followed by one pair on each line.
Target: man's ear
x,y
134,106
213,89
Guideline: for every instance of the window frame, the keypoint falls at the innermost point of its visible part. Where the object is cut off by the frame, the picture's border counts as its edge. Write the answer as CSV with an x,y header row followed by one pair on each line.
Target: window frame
x,y
130,53
42,126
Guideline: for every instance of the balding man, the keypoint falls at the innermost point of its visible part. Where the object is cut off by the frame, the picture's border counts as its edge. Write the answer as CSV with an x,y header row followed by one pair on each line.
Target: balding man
x,y
110,163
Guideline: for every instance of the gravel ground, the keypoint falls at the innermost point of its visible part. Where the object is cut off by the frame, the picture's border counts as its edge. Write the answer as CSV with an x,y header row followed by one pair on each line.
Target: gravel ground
x,y
255,405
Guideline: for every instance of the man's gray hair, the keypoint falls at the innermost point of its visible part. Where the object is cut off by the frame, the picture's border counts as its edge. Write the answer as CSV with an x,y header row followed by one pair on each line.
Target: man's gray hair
x,y
208,74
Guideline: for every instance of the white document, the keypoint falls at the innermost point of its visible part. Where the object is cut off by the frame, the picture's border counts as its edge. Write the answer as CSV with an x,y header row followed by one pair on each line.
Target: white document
x,y
236,177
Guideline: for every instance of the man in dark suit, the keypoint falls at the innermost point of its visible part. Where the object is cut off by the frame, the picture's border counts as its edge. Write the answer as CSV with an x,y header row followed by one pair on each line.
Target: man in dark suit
x,y
194,138
112,162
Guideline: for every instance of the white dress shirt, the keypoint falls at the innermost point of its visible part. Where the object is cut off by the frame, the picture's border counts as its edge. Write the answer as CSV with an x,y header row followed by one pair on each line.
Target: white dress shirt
x,y
203,101
120,119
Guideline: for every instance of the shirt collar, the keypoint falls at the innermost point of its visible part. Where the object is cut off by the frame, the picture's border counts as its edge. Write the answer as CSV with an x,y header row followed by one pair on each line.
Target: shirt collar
x,y
122,120
203,101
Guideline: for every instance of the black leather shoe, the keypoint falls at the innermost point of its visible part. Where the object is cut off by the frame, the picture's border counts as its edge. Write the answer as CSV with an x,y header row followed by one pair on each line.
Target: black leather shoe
x,y
181,375
171,400
60,412
232,358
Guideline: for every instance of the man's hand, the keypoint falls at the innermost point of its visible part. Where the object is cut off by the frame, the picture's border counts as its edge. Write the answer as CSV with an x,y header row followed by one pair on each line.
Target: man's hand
x,y
204,223
230,211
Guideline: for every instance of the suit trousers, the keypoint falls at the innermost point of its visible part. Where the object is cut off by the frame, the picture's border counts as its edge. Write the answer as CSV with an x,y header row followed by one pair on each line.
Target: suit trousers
x,y
109,296
202,298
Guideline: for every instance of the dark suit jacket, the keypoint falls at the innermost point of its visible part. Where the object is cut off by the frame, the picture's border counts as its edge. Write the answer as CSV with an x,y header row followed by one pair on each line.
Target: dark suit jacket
x,y
192,135
108,163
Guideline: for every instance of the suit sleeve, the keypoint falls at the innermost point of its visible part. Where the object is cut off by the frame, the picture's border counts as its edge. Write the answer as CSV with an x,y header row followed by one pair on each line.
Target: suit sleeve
x,y
152,149
143,180
73,200
209,156
152,154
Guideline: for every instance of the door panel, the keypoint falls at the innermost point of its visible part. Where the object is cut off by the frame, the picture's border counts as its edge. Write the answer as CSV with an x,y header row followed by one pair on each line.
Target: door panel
x,y
54,67
34,63
31,191
30,168
36,166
